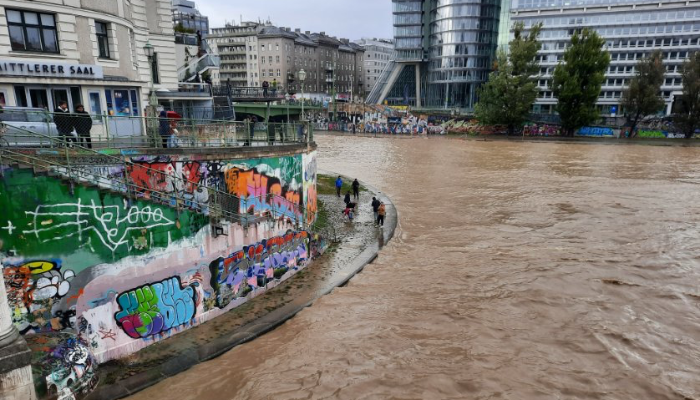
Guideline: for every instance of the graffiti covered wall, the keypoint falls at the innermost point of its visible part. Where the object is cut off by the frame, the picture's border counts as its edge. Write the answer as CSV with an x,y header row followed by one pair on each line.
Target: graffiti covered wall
x,y
121,274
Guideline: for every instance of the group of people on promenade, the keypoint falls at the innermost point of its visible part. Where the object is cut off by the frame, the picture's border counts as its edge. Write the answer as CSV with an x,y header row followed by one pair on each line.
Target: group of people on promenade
x,y
67,122
378,207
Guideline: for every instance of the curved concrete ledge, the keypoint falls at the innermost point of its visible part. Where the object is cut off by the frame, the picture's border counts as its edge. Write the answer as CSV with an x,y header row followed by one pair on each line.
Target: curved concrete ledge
x,y
255,329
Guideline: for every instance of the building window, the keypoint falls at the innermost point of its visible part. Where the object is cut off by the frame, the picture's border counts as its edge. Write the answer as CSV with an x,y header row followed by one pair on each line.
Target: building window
x,y
30,31
102,39
154,69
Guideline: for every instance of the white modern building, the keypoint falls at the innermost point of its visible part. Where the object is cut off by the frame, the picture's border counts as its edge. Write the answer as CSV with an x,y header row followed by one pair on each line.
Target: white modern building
x,y
632,30
378,54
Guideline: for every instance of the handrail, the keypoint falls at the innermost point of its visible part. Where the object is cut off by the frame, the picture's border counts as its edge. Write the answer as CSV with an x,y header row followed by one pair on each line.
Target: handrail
x,y
151,171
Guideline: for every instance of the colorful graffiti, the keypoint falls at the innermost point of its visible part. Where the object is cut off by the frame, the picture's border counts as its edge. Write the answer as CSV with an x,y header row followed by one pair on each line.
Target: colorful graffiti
x,y
649,134
595,131
34,290
63,365
120,274
541,130
155,308
255,265
259,194
168,181
43,218
310,191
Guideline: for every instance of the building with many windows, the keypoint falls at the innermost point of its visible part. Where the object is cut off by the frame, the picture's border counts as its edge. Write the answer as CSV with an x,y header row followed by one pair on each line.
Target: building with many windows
x,y
237,48
444,51
90,53
188,19
253,53
631,29
378,54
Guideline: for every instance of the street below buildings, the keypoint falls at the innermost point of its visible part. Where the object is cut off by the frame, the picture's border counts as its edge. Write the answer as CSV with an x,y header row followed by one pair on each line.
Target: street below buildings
x,y
519,271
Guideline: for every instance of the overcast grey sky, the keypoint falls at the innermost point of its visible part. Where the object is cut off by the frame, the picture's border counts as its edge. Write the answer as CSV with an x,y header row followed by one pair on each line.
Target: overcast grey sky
x,y
352,19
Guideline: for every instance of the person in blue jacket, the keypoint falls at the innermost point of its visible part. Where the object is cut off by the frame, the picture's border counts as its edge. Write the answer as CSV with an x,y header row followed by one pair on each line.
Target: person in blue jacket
x,y
338,185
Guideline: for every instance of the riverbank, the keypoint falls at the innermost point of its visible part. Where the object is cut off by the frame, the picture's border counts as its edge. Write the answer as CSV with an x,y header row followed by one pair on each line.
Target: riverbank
x,y
531,139
356,245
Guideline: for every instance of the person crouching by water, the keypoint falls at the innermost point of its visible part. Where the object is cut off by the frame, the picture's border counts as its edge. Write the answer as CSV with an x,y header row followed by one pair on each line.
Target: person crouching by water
x,y
83,124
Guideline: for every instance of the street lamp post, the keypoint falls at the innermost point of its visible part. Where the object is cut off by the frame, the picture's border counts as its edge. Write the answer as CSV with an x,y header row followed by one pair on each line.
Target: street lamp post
x,y
150,52
152,98
302,78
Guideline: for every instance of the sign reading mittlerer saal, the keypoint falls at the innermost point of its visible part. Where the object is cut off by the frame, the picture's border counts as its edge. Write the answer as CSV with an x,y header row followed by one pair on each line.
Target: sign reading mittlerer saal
x,y
49,69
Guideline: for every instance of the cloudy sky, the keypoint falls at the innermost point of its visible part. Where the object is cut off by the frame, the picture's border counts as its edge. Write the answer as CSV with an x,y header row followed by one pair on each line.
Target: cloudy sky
x,y
352,19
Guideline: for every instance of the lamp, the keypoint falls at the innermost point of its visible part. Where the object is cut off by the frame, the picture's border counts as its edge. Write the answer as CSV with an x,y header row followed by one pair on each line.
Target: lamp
x,y
149,50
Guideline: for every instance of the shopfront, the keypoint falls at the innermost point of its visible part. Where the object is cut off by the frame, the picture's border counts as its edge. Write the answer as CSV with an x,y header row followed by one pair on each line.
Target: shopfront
x,y
116,109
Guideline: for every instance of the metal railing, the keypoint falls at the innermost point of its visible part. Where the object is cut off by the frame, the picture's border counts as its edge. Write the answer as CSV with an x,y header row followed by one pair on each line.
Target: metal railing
x,y
119,132
236,92
185,194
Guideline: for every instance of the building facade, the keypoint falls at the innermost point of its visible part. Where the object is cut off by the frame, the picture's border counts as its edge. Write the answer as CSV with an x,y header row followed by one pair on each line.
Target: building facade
x,y
187,18
87,52
444,51
237,48
253,53
631,29
378,54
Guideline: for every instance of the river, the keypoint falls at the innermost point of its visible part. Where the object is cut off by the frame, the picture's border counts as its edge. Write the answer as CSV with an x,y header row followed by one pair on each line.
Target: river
x,y
519,271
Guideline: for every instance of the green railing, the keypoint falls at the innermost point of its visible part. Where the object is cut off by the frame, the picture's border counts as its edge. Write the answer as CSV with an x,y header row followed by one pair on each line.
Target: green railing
x,y
205,199
146,132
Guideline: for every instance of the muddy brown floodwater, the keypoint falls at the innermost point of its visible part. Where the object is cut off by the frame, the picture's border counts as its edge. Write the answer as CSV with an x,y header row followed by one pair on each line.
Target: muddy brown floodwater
x,y
519,271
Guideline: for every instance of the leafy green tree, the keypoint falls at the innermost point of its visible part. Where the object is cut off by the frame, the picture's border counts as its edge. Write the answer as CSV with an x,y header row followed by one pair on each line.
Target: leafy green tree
x,y
643,96
508,95
577,80
687,119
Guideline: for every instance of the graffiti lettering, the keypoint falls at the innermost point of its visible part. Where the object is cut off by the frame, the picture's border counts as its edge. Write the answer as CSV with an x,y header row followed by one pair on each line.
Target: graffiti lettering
x,y
155,308
594,131
255,265
59,221
260,194
33,288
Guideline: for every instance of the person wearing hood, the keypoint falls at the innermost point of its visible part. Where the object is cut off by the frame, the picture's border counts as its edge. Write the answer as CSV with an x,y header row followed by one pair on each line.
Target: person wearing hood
x,y
83,124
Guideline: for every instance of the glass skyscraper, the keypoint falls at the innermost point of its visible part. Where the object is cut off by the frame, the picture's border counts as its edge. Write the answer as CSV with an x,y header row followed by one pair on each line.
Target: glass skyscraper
x,y
445,51
632,29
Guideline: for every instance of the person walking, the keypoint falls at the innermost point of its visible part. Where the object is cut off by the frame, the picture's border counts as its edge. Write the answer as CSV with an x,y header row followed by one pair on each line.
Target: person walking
x,y
356,189
338,185
164,128
64,123
375,207
381,214
83,124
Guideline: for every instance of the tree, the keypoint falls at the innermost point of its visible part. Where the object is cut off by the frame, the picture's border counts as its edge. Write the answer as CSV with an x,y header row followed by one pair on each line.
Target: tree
x,y
577,80
510,91
688,117
643,96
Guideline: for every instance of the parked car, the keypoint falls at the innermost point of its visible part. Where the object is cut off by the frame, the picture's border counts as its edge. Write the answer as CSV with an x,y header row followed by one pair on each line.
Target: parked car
x,y
17,123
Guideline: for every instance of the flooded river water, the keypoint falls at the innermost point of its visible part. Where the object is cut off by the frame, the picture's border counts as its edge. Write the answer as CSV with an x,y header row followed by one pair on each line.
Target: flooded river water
x,y
519,271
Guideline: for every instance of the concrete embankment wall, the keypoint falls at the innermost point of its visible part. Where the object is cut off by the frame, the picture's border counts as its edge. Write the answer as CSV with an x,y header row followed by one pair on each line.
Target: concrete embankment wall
x,y
91,270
